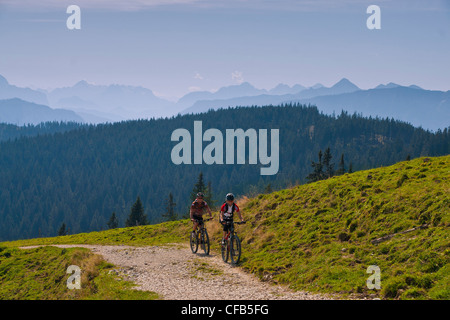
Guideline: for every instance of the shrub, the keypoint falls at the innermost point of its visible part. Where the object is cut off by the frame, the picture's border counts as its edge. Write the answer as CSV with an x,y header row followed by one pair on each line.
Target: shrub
x,y
391,287
360,234
343,236
402,180
413,293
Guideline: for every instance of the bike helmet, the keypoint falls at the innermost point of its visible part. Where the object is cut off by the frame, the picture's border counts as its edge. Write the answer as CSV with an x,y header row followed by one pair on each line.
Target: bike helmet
x,y
200,195
230,196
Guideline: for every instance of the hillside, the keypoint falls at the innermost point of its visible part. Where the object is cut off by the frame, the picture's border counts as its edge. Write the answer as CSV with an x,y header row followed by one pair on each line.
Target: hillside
x,y
9,91
21,112
80,177
40,274
322,236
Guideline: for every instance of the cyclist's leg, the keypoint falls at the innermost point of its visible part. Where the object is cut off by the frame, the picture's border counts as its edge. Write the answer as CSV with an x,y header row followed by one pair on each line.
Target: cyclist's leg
x,y
226,229
223,237
200,222
196,222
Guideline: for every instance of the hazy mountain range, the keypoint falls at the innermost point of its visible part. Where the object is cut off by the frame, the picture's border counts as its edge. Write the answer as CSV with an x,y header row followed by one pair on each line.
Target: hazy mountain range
x,y
114,102
8,91
91,103
20,112
201,105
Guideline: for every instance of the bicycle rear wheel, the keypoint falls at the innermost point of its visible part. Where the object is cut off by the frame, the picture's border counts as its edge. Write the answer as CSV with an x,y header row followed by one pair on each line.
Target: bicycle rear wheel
x,y
205,242
235,249
193,241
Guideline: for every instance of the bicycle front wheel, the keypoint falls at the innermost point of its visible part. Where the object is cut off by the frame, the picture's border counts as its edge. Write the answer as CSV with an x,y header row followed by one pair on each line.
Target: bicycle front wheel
x,y
193,241
205,242
235,249
225,251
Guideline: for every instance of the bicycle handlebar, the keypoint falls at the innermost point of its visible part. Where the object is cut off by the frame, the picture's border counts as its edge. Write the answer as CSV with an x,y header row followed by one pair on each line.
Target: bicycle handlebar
x,y
229,222
204,220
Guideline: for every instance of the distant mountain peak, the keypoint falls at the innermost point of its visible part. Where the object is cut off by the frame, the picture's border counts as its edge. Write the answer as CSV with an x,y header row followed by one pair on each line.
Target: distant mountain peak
x,y
345,83
281,85
244,85
244,88
9,91
390,85
20,112
82,83
3,81
317,86
283,88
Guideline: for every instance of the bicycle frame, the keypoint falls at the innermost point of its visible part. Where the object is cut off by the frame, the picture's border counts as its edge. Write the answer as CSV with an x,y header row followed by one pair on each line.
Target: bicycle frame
x,y
232,231
229,238
201,237
201,224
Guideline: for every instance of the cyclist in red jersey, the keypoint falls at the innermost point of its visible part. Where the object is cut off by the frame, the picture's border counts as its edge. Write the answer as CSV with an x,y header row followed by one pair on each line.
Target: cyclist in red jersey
x,y
197,210
227,210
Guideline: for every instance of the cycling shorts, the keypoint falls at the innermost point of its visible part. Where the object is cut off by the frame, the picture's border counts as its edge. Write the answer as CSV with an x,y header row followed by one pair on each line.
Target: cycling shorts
x,y
227,225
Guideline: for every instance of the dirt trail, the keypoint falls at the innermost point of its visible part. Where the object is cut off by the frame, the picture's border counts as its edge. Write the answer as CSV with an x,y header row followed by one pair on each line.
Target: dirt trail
x,y
175,273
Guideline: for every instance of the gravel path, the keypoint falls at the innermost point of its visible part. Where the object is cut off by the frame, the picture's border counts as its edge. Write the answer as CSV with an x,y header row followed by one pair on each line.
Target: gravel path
x,y
175,273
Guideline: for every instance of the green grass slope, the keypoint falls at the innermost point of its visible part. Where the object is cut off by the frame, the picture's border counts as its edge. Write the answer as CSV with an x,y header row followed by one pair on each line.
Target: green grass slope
x,y
320,236
323,236
40,273
163,233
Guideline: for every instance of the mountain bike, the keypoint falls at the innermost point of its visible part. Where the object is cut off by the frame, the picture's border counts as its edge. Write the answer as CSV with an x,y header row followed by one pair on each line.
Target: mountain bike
x,y
231,246
200,237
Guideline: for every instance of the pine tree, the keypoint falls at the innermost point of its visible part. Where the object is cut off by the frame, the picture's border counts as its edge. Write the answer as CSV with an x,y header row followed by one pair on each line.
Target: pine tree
x,y
170,214
317,173
113,222
328,165
137,217
341,169
350,168
62,230
268,188
208,195
199,187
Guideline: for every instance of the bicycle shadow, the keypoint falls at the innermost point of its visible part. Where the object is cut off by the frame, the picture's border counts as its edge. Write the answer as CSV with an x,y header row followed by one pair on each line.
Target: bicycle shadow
x,y
204,255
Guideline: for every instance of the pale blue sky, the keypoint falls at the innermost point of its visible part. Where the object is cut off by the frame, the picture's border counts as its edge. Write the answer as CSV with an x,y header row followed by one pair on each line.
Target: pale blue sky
x,y
175,46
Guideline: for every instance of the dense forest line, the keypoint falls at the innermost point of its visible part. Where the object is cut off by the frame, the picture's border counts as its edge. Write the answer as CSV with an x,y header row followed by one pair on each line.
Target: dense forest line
x,y
80,177
12,131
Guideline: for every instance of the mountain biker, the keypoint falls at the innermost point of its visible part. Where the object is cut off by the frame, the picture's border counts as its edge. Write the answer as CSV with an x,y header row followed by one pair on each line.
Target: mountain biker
x,y
197,209
226,214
